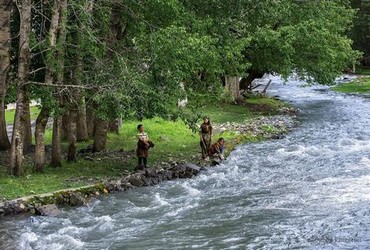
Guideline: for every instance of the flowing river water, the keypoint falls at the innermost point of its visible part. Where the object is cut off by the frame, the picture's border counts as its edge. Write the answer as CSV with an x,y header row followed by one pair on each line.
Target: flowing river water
x,y
310,190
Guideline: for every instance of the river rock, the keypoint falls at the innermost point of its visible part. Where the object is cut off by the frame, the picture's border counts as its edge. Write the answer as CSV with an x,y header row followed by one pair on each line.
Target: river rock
x,y
167,174
112,185
48,210
155,181
146,181
193,168
137,182
151,173
76,199
215,162
127,185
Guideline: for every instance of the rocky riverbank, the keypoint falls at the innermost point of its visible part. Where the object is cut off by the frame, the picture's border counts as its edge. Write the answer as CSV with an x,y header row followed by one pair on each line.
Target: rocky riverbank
x,y
271,127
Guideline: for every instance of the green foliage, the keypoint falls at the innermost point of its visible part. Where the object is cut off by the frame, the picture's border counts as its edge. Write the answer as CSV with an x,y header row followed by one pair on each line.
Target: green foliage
x,y
361,29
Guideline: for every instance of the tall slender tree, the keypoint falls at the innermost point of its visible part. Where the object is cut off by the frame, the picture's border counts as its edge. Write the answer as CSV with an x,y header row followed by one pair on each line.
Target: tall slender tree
x,y
16,151
116,29
44,114
56,154
5,45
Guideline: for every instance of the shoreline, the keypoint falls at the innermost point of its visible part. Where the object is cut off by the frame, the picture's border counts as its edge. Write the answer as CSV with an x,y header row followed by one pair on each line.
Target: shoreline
x,y
47,204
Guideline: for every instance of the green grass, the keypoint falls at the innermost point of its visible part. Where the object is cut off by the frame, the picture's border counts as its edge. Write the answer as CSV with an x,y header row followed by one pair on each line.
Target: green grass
x,y
174,141
363,70
227,113
54,178
360,85
9,114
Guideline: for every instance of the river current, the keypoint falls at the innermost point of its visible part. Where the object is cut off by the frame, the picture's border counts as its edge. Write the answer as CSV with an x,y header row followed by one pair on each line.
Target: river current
x,y
310,190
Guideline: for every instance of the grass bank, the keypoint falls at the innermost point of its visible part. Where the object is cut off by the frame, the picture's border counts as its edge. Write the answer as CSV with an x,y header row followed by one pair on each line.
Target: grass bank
x,y
360,85
174,141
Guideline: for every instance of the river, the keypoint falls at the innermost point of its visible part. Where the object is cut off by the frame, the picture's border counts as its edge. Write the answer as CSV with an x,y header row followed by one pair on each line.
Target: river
x,y
310,190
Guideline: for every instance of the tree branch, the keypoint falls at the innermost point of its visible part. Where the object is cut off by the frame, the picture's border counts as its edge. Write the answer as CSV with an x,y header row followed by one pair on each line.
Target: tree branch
x,y
68,85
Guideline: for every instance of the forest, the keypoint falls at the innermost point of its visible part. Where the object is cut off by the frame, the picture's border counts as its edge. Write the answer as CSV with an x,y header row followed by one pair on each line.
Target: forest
x,y
93,64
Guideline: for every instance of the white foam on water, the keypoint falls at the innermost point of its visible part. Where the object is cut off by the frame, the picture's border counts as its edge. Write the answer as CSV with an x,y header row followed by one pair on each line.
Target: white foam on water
x,y
26,239
191,190
104,223
175,211
232,239
65,241
159,201
72,230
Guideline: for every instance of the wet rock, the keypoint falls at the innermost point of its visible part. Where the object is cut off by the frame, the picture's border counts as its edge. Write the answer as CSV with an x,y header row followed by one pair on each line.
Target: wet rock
x,y
187,175
112,185
215,162
151,172
167,174
17,208
127,186
194,169
155,181
48,210
146,181
277,137
135,181
76,199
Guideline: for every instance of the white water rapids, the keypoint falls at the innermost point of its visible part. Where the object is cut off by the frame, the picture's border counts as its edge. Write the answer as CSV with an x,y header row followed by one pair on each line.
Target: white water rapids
x,y
310,190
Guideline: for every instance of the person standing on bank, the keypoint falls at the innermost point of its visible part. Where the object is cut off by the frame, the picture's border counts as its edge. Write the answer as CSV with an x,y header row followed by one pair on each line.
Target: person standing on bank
x,y
205,137
143,146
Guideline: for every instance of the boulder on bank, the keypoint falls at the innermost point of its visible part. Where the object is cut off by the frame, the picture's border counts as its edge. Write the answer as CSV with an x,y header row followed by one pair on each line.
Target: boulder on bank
x,y
136,181
48,210
77,199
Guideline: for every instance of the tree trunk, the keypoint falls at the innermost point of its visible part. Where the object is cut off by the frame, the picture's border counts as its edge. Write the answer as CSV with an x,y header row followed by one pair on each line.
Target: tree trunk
x,y
16,151
232,85
72,131
246,82
26,119
90,118
41,122
82,132
42,119
5,38
117,32
56,154
100,137
65,123
114,125
56,149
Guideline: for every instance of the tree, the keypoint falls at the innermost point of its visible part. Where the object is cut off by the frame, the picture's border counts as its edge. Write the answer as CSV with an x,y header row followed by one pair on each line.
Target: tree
x,y
56,153
361,29
5,37
280,37
44,114
16,151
